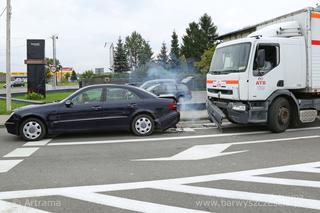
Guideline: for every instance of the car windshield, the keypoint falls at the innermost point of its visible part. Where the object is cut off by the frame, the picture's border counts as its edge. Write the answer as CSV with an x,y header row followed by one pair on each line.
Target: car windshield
x,y
233,58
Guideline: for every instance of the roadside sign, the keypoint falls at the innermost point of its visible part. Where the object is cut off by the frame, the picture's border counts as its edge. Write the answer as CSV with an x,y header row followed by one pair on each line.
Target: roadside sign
x,y
53,69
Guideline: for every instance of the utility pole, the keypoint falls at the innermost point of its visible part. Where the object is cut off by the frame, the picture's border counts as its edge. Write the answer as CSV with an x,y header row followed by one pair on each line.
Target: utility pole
x,y
54,37
8,55
111,54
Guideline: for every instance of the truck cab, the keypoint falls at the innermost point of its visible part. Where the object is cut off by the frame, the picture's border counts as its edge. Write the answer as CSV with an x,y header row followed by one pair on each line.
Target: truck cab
x,y
257,79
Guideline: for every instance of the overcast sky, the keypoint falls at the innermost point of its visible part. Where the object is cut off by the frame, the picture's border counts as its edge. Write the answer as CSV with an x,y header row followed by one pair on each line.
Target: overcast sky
x,y
84,26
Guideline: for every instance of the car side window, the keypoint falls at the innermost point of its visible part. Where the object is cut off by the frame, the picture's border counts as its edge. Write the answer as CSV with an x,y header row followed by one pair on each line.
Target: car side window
x,y
272,59
89,96
120,94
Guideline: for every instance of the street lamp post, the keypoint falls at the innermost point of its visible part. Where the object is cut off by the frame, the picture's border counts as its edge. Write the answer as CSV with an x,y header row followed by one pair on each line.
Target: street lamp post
x,y
8,59
54,37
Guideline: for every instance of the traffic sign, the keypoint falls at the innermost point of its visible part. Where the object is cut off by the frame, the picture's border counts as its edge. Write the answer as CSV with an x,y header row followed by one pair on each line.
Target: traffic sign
x,y
53,69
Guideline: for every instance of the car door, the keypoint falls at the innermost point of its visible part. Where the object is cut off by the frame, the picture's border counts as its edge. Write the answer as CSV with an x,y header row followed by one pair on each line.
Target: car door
x,y
120,104
268,78
86,111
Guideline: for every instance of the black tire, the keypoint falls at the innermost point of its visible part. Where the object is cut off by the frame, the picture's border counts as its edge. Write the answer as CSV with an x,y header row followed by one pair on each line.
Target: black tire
x,y
35,132
295,122
145,127
279,115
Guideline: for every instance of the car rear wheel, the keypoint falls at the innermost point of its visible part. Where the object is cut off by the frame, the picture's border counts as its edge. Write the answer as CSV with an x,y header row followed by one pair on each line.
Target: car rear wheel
x,y
32,129
142,125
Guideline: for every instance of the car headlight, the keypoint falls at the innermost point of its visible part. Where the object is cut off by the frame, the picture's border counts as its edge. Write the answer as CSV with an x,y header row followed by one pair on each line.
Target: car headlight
x,y
239,107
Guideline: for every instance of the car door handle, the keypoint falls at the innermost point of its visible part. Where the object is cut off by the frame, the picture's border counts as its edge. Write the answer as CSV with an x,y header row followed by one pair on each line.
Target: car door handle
x,y
133,105
96,107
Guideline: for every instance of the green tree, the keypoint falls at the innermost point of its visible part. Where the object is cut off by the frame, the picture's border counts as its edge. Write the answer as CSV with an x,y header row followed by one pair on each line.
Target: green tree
x,y
191,42
204,64
73,76
133,45
120,58
87,74
48,65
138,49
145,54
163,58
199,37
209,31
67,76
175,51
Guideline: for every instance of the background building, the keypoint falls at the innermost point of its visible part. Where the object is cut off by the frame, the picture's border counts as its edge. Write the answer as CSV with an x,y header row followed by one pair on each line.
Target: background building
x,y
62,72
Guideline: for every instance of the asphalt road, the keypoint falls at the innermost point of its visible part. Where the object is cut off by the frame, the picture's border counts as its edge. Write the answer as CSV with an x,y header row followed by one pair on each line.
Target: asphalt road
x,y
198,169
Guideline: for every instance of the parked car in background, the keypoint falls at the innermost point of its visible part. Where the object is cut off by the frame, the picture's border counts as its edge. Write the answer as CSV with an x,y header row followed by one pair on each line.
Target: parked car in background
x,y
96,108
16,83
159,87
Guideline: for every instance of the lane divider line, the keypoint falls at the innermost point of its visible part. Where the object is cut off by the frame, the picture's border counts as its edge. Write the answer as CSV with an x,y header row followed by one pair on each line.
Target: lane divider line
x,y
172,138
21,152
6,165
38,143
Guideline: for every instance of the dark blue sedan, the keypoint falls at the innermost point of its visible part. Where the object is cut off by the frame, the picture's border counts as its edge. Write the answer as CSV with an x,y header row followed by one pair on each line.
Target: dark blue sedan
x,y
96,108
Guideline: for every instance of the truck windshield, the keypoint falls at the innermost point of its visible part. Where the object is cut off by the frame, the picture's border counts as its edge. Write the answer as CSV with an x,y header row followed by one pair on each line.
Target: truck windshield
x,y
228,59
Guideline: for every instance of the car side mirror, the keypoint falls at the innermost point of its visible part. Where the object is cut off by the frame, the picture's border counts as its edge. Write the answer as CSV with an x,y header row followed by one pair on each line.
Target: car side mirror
x,y
261,58
68,103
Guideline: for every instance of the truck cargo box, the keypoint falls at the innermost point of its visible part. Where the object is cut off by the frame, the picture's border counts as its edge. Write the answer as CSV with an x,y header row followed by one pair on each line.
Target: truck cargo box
x,y
309,21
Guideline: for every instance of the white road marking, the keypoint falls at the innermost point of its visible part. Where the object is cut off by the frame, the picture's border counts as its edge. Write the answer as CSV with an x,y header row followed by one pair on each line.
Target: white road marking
x,y
241,195
172,138
21,152
8,207
38,143
188,130
6,165
303,129
150,184
277,181
155,139
129,204
311,170
200,152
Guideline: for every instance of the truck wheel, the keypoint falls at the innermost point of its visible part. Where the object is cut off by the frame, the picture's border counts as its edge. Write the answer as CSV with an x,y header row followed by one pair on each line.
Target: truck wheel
x,y
32,129
295,122
142,125
279,115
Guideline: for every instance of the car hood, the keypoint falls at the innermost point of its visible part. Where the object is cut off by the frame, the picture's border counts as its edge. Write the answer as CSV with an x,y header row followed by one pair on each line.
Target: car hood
x,y
37,108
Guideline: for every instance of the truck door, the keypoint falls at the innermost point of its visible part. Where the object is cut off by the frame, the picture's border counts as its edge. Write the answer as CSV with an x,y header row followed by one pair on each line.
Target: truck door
x,y
266,75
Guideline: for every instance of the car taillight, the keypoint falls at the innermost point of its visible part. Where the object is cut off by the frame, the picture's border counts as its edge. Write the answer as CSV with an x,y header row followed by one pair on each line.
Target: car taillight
x,y
173,105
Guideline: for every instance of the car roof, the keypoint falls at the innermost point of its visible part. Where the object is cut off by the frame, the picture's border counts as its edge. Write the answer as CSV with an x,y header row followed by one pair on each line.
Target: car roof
x,y
137,89
160,80
109,85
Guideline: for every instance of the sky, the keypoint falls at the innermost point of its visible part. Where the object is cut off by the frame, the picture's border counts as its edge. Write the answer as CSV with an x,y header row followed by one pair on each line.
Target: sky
x,y
84,26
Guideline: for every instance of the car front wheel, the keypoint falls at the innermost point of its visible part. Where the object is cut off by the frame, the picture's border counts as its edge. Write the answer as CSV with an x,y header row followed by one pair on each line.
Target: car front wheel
x,y
142,125
32,129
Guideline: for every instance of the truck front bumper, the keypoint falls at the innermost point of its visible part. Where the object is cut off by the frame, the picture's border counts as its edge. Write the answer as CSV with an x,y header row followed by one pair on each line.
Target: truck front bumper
x,y
237,112
216,115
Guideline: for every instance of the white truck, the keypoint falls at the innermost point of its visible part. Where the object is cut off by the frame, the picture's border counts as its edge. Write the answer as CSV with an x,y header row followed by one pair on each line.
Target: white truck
x,y
271,77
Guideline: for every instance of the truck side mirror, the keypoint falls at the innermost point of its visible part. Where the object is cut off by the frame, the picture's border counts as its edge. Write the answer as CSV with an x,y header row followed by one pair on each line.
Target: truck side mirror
x,y
261,58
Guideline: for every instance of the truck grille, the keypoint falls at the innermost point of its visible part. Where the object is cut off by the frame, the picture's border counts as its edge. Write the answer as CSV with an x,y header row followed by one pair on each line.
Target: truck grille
x,y
223,92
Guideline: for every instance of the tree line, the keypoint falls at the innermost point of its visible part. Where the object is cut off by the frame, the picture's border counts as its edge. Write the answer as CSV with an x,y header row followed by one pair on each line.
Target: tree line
x,y
194,52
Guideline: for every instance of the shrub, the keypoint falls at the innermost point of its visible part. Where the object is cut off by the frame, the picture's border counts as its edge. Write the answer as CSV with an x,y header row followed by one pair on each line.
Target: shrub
x,y
34,96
